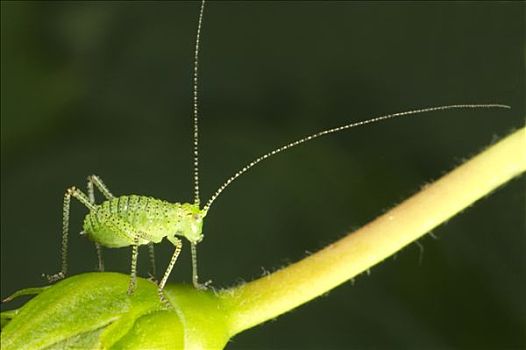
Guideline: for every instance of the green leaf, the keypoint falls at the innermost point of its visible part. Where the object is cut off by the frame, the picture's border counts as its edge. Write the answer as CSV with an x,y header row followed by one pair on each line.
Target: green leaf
x,y
77,305
26,291
93,310
7,316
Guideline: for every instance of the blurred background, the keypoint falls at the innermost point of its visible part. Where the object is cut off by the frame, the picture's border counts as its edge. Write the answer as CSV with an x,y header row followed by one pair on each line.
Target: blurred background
x,y
105,88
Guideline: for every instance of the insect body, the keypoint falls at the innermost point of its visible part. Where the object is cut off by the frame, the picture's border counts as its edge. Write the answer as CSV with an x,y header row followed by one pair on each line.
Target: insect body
x,y
125,220
134,220
138,220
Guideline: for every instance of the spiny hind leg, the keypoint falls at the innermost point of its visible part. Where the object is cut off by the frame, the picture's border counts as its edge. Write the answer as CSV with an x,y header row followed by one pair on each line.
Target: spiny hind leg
x,y
82,198
95,180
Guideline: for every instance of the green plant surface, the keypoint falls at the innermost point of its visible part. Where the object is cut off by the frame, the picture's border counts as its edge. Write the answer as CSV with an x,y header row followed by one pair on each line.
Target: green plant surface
x,y
94,311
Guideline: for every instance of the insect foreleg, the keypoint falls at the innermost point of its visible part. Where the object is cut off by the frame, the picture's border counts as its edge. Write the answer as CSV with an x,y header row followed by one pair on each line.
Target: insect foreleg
x,y
178,245
195,277
81,197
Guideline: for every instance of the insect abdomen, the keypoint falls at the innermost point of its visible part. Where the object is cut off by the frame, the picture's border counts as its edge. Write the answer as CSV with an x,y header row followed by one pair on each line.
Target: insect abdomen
x,y
115,222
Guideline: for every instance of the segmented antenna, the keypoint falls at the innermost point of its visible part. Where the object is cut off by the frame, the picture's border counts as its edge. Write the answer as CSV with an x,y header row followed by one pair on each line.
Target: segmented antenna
x,y
333,130
196,110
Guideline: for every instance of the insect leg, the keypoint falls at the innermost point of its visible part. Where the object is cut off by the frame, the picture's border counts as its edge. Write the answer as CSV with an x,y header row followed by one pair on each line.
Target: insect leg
x,y
178,245
195,277
94,179
126,231
151,252
81,197
100,260
98,248
133,274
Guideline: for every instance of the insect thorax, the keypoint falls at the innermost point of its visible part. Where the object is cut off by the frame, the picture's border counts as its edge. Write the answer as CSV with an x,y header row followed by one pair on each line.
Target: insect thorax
x,y
115,222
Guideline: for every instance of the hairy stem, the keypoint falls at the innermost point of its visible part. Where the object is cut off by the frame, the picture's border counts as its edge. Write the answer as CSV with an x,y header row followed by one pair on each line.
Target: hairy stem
x,y
279,292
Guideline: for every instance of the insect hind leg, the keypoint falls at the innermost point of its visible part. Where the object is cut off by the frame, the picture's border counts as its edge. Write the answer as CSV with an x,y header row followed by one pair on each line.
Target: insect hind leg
x,y
95,180
82,198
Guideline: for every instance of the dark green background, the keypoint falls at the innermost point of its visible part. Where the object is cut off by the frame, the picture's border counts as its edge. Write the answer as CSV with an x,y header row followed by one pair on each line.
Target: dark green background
x,y
105,88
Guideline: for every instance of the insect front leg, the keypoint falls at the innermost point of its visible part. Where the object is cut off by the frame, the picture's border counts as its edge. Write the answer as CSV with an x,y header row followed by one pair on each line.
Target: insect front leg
x,y
178,245
95,180
195,276
81,197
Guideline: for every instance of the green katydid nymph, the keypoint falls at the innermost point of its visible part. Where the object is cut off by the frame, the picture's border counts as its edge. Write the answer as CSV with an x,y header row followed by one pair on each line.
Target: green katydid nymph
x,y
134,220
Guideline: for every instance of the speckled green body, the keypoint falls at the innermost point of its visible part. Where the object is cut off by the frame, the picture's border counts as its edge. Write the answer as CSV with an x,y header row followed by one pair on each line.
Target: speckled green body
x,y
120,221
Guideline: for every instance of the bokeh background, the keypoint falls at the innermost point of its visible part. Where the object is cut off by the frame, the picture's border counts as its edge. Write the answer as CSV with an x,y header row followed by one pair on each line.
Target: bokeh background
x,y
105,88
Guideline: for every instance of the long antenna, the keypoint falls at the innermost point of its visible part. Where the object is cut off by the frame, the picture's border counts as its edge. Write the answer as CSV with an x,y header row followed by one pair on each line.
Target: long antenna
x,y
196,103
337,129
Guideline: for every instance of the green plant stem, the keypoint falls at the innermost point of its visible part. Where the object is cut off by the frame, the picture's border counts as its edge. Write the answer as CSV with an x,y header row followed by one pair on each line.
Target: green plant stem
x,y
283,290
